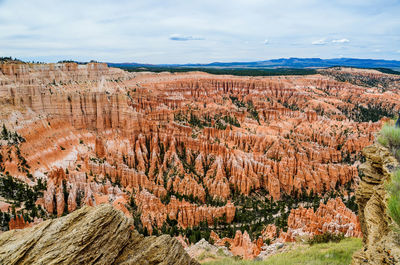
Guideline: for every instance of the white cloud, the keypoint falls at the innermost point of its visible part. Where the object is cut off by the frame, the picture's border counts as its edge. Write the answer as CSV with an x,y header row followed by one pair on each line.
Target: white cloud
x,y
266,42
319,42
340,41
140,31
180,37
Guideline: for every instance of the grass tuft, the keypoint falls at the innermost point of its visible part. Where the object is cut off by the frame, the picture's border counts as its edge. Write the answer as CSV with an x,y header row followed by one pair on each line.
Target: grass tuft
x,y
389,136
325,238
393,188
317,254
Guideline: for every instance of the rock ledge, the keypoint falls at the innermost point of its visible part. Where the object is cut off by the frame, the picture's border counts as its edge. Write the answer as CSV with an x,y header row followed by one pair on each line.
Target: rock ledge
x,y
90,235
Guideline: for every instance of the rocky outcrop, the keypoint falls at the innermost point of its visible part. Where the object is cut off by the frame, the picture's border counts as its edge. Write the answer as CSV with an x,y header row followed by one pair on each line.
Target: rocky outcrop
x,y
241,245
269,232
18,223
332,217
59,73
154,212
65,193
364,77
205,249
78,237
381,243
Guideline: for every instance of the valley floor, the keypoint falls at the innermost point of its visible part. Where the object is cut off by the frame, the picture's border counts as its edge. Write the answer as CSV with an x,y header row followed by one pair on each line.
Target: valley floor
x,y
318,254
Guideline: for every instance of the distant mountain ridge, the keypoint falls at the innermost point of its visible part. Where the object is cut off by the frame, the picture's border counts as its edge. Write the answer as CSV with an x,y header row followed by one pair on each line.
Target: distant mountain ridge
x,y
282,63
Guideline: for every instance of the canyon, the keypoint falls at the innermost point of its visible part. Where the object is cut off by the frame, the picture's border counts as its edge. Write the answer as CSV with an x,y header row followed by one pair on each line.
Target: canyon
x,y
176,152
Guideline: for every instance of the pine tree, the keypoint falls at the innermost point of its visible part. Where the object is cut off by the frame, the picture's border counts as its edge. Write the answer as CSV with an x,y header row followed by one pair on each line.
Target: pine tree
x,y
4,132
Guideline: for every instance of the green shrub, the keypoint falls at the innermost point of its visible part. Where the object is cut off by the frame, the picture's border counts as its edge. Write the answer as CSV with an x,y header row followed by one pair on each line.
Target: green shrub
x,y
227,244
394,197
389,136
325,238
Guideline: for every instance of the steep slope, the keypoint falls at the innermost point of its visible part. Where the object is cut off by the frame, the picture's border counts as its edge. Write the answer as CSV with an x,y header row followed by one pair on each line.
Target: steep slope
x,y
90,235
381,244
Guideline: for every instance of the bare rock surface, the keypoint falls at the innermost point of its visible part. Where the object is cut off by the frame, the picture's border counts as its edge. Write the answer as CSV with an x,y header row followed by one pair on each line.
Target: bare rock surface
x,y
202,246
90,235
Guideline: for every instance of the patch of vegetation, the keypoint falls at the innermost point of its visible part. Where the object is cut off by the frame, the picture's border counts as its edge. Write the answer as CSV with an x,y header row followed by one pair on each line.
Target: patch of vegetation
x,y
77,62
193,120
254,212
318,254
206,255
4,220
365,114
248,105
360,79
12,138
19,194
292,106
387,71
393,188
224,71
389,136
237,102
189,198
97,160
253,112
231,120
325,238
10,60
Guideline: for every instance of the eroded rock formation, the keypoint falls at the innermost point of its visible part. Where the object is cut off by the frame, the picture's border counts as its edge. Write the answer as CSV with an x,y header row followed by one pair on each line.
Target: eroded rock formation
x,y
241,245
381,243
78,237
18,223
331,217
154,212
182,146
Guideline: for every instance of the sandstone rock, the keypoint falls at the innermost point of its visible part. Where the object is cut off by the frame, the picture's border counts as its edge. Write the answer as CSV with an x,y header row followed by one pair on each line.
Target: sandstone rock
x,y
154,212
269,232
196,250
99,148
333,217
241,245
381,243
271,250
78,237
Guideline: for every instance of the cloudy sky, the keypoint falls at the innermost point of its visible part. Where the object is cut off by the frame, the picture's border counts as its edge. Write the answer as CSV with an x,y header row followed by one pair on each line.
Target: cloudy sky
x,y
191,31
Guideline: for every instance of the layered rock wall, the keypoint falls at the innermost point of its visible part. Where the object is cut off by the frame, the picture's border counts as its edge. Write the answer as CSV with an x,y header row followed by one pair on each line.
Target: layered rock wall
x,y
381,242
